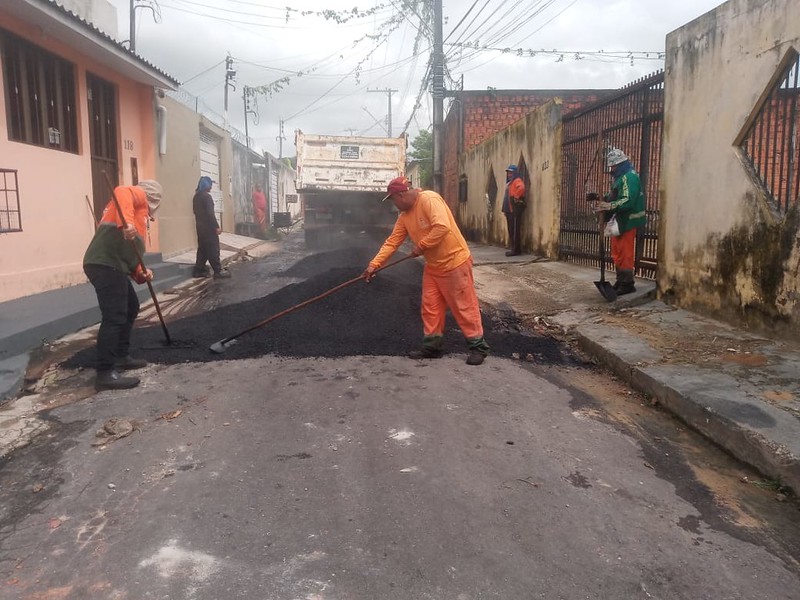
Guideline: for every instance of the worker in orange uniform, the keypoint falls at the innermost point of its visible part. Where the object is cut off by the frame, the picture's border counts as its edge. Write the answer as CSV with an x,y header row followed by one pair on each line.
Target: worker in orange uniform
x,y
110,263
513,208
447,280
260,209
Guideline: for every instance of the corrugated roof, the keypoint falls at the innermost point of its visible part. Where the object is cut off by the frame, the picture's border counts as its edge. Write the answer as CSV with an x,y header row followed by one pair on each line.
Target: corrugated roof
x,y
87,29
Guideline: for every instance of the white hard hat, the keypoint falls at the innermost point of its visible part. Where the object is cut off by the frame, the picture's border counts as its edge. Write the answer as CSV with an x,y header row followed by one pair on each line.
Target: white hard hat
x,y
615,156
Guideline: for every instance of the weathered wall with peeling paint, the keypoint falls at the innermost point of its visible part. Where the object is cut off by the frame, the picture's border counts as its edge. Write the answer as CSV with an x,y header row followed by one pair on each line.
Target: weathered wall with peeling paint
x,y
536,139
722,248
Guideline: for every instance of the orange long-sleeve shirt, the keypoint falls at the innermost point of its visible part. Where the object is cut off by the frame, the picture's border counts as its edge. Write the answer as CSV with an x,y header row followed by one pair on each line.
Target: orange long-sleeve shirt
x,y
432,227
108,247
133,202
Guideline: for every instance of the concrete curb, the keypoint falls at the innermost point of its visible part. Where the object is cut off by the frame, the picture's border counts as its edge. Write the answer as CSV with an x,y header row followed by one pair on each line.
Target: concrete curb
x,y
713,404
12,376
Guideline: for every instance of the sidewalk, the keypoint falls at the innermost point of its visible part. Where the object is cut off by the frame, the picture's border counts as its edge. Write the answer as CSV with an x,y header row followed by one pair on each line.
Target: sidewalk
x,y
740,390
28,322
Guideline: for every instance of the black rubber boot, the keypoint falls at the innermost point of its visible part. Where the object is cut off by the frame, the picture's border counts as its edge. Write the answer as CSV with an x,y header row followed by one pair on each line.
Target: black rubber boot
x,y
626,282
112,380
223,274
476,357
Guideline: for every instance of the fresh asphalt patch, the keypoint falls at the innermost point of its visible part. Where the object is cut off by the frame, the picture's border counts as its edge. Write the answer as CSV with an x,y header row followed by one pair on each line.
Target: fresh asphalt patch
x,y
380,318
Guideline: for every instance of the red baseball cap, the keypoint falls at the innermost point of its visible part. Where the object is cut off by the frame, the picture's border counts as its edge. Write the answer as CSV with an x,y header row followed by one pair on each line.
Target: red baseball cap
x,y
397,185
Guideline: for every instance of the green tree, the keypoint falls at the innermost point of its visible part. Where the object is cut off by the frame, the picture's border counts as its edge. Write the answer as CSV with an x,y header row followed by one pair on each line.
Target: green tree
x,y
422,152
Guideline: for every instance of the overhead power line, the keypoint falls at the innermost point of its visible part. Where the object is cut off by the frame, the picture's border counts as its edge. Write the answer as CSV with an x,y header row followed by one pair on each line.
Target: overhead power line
x,y
573,54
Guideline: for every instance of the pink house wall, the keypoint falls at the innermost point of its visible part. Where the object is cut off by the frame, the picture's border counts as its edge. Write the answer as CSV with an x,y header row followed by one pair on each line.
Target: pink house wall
x,y
53,185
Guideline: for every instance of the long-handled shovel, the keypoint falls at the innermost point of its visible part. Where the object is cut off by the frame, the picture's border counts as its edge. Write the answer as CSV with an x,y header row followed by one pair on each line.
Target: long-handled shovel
x,y
139,258
222,345
606,289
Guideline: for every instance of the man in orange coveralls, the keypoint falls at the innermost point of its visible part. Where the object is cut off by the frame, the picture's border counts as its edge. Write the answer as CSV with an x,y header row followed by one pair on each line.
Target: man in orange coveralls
x,y
447,279
110,263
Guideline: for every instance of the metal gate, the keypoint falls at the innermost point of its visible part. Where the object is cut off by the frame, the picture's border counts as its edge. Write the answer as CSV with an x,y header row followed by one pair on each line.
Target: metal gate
x,y
209,167
631,120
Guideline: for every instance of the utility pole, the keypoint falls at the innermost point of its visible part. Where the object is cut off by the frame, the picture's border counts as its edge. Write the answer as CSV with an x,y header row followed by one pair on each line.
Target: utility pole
x,y
132,32
230,78
280,139
389,92
153,6
247,110
438,98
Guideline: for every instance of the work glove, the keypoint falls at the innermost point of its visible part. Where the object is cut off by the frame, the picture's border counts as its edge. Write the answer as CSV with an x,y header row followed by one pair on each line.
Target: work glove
x,y
369,273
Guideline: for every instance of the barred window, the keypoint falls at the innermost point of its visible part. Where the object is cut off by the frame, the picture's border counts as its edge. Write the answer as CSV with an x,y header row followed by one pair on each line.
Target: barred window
x,y
40,95
10,215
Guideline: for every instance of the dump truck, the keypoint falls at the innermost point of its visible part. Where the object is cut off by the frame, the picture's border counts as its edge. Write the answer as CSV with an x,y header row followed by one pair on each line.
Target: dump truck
x,y
341,181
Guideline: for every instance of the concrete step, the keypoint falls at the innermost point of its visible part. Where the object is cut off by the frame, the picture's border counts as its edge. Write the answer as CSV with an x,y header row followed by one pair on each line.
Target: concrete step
x,y
45,316
161,269
25,323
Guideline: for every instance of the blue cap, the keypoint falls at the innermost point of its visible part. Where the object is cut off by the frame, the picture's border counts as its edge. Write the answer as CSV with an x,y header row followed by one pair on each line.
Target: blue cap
x,y
512,168
204,184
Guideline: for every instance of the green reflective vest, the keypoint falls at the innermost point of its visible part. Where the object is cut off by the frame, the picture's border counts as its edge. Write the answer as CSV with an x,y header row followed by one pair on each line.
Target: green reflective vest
x,y
627,201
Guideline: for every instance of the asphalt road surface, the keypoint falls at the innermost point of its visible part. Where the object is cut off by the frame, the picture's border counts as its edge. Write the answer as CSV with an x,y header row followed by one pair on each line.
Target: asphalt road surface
x,y
290,476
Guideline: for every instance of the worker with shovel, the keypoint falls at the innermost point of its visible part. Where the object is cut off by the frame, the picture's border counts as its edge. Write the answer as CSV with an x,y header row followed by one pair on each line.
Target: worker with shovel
x,y
625,205
447,281
111,261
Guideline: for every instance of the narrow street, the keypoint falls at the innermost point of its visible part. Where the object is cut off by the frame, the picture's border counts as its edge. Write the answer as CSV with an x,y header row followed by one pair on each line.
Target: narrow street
x,y
313,461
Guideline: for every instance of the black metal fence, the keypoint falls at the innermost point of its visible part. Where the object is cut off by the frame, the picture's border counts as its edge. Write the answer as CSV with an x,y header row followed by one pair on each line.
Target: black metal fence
x,y
770,142
632,121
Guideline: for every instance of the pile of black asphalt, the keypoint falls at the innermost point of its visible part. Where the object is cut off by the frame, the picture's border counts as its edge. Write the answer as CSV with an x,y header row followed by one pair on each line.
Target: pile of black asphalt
x,y
380,318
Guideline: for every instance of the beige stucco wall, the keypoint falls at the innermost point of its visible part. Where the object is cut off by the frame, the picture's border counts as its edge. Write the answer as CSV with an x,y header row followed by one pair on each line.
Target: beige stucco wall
x,y
537,138
178,171
721,247
53,185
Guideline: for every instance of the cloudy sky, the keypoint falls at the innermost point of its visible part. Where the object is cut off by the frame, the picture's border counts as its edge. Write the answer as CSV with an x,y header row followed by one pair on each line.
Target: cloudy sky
x,y
324,66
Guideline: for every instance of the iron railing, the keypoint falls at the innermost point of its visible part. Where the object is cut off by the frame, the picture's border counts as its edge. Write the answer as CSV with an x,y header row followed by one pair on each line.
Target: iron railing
x,y
770,142
631,120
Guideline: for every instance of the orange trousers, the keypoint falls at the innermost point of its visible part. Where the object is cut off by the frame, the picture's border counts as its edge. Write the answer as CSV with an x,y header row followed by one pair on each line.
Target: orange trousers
x,y
623,250
454,290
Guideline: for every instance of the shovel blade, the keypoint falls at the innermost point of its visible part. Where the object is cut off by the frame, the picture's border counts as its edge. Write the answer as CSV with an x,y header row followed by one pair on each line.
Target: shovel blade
x,y
606,290
220,346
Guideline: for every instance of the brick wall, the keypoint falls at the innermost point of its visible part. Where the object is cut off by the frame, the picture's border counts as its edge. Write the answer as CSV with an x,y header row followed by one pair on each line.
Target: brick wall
x,y
475,116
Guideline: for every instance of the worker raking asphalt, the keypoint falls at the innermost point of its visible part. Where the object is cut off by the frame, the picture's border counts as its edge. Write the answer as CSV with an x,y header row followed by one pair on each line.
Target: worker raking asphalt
x,y
380,318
